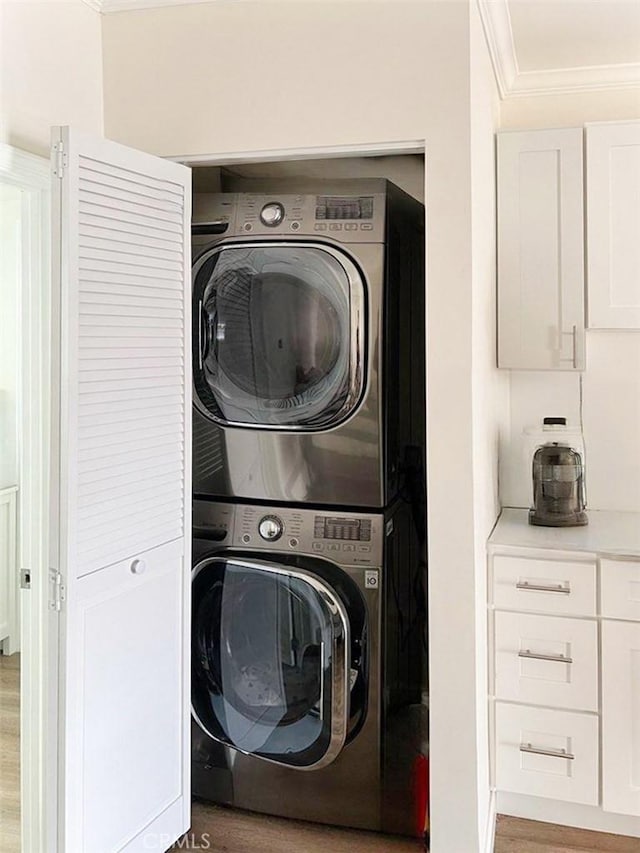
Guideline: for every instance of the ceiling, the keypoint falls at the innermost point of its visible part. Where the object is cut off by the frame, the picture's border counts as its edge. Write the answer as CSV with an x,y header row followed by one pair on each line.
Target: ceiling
x,y
554,46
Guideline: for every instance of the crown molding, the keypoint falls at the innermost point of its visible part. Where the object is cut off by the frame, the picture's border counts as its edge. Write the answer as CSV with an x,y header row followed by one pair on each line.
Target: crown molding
x,y
496,22
513,83
561,81
96,5
108,7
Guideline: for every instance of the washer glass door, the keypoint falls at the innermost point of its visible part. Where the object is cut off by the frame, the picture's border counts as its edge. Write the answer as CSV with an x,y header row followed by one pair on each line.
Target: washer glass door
x,y
270,661
278,335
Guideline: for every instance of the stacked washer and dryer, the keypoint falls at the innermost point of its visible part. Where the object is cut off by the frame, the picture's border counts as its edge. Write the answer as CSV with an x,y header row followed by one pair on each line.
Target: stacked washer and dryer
x,y
309,626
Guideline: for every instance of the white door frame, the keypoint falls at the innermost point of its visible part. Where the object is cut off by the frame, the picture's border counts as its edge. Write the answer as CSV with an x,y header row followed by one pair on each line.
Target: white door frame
x,y
38,627
328,152
398,147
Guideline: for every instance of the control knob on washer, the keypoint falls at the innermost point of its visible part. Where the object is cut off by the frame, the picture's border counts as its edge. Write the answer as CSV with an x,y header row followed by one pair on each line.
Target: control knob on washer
x,y
270,528
272,214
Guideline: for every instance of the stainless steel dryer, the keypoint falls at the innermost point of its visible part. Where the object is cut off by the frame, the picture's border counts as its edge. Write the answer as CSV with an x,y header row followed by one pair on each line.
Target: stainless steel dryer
x,y
308,344
307,662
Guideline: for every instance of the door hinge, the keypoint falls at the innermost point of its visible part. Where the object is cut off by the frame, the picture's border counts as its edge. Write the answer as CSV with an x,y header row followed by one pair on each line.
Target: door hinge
x,y
59,159
57,590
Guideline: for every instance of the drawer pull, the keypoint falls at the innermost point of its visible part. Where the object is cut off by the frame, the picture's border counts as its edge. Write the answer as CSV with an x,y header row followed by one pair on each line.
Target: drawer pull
x,y
527,653
552,753
541,588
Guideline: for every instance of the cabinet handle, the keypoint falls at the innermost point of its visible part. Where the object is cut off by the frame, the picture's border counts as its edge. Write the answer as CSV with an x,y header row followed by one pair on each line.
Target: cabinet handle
x,y
138,567
574,345
526,653
552,753
542,588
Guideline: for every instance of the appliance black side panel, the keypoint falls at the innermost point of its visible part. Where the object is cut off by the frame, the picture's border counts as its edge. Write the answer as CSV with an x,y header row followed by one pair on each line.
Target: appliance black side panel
x,y
404,674
404,342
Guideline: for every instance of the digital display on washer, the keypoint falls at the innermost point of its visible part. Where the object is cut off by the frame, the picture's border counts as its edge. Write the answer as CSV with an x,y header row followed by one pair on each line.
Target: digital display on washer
x,y
350,529
344,207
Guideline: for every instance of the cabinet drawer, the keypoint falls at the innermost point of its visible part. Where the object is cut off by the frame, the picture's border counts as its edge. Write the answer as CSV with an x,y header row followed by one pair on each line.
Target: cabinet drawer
x,y
620,588
560,587
547,660
547,753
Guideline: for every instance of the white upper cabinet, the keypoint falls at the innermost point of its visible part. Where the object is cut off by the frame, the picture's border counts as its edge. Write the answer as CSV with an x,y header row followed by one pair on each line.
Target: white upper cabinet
x,y
122,488
540,250
613,225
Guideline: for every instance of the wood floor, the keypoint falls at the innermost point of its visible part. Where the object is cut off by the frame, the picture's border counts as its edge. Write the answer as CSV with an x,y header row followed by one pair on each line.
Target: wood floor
x,y
10,754
223,830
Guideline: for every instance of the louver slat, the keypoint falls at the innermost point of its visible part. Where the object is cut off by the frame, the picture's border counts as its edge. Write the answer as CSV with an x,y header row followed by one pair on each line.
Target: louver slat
x,y
135,248
101,530
130,458
111,180
130,177
93,493
121,228
153,225
94,511
105,230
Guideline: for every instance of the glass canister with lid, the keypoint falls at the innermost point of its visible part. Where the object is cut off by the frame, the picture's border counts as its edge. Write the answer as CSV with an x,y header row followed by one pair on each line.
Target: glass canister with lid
x,y
559,494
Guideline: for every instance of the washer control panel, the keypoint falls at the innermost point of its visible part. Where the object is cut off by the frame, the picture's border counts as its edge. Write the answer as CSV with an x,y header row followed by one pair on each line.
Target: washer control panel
x,y
346,538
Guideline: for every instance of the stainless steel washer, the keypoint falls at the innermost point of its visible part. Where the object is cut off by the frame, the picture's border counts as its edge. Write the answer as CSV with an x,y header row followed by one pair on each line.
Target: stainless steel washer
x,y
296,680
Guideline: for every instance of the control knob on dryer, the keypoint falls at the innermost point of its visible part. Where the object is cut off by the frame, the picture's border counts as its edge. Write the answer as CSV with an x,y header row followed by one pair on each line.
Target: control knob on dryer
x,y
270,528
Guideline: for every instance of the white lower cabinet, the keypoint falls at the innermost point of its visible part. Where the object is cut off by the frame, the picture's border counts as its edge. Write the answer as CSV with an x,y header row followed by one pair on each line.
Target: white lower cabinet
x,y
621,717
564,671
547,753
547,660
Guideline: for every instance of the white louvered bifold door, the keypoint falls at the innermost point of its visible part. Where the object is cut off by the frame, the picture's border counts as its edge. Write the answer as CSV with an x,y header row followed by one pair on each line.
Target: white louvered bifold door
x,y
122,481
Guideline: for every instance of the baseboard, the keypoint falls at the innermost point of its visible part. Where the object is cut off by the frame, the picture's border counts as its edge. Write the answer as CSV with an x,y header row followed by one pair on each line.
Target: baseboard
x,y
490,836
567,814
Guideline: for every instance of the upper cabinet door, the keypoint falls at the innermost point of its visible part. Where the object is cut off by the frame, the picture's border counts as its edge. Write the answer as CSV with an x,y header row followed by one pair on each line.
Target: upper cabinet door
x,y
122,489
613,225
540,250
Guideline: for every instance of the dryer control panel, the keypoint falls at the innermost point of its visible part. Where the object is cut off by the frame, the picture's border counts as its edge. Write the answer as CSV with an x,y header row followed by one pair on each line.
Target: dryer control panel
x,y
346,538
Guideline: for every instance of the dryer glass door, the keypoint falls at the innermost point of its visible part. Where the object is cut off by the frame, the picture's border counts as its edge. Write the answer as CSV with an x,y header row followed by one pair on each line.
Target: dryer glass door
x,y
270,661
278,335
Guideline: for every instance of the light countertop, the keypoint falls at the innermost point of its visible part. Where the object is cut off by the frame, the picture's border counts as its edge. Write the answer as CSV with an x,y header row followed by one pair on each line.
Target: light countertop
x,y
615,533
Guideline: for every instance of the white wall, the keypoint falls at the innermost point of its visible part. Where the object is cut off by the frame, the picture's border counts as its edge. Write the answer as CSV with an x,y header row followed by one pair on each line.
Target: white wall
x,y
349,73
571,110
10,272
610,393
50,70
490,386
